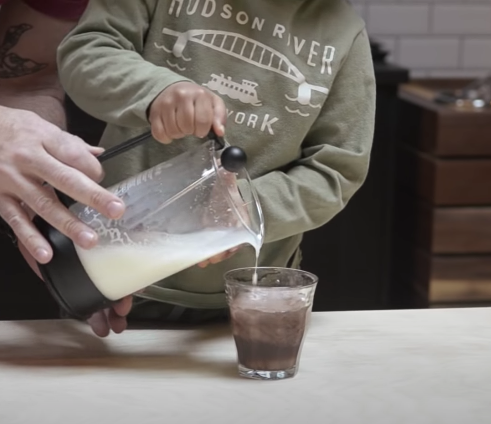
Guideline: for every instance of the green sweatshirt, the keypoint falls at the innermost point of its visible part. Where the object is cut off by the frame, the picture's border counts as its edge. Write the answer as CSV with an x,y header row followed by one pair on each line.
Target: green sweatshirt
x,y
296,77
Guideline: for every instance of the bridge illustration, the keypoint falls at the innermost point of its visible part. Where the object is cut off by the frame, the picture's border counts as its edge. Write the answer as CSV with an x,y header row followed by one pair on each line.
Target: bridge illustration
x,y
250,51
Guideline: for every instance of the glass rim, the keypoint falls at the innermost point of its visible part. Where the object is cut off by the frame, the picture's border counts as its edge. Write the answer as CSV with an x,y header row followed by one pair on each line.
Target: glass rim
x,y
313,277
230,200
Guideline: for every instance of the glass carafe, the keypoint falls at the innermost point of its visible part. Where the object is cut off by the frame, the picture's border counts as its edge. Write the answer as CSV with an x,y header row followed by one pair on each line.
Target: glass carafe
x,y
178,214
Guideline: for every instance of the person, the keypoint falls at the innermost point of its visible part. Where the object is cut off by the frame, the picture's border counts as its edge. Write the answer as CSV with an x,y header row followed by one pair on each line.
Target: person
x,y
34,148
291,81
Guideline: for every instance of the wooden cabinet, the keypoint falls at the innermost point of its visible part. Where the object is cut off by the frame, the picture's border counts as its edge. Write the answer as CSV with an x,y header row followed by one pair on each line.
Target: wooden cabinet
x,y
442,226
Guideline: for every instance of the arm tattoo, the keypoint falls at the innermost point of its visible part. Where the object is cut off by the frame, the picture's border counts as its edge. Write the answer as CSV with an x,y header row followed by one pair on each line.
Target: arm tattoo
x,y
11,64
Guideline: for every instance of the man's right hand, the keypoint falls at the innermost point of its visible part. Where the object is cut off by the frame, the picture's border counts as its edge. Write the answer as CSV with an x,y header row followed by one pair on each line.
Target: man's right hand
x,y
32,152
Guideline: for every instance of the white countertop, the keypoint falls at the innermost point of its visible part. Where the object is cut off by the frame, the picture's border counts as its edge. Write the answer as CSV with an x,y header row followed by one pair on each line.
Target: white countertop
x,y
394,367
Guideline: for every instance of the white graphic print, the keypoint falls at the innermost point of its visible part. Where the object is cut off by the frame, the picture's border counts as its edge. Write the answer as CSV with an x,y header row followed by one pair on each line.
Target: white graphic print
x,y
250,51
297,111
165,49
176,66
245,92
171,64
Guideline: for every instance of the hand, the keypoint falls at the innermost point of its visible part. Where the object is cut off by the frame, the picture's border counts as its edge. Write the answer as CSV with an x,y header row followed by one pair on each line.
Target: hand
x,y
114,318
102,322
185,109
32,152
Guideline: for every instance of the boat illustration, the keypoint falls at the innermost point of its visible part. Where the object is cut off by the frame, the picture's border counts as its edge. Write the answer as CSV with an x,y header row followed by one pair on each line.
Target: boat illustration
x,y
245,91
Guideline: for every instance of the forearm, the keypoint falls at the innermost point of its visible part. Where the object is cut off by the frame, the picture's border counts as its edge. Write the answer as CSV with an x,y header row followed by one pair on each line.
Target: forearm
x,y
101,67
335,157
311,193
45,103
117,88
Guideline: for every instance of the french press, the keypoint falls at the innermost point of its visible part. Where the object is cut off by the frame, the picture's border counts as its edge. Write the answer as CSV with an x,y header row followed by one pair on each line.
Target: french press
x,y
178,213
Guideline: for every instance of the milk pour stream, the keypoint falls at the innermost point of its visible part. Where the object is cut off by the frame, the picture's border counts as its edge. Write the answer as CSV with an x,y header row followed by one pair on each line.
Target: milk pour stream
x,y
254,276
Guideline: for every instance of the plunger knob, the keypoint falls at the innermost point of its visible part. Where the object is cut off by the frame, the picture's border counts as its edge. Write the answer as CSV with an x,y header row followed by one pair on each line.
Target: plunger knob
x,y
233,159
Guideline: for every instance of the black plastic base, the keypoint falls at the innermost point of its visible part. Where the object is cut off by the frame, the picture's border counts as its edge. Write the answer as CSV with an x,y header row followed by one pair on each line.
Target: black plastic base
x,y
66,278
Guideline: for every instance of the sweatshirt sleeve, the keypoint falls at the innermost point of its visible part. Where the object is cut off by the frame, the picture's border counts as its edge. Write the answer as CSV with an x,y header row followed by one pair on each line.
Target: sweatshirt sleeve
x,y
101,67
335,158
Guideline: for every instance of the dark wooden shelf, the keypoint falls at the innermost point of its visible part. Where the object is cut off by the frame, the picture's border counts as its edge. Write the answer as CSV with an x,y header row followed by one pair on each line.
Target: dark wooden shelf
x,y
442,250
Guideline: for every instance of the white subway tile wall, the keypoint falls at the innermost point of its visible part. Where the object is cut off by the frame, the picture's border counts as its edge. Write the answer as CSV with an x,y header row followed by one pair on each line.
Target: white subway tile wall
x,y
433,38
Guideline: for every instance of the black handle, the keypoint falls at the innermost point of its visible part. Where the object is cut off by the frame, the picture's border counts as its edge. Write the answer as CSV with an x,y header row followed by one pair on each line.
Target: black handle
x,y
124,147
220,142
66,201
233,158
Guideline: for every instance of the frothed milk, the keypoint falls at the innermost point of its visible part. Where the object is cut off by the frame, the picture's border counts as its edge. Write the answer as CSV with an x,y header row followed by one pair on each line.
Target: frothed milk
x,y
119,270
269,329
